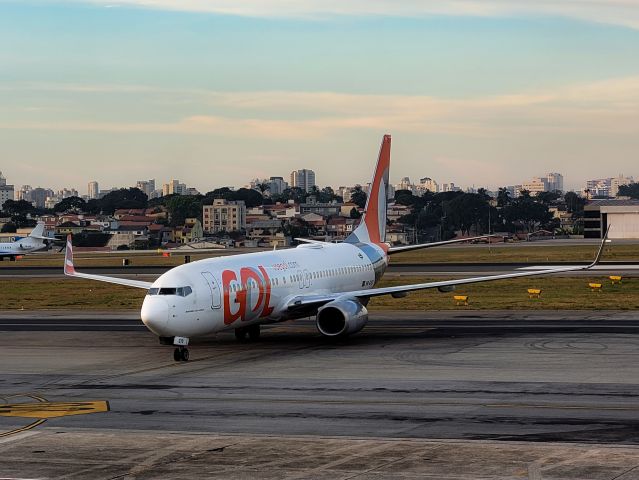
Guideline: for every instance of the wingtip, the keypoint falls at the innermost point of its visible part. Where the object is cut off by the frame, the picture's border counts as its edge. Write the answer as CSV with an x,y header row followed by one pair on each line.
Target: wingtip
x,y
601,248
69,268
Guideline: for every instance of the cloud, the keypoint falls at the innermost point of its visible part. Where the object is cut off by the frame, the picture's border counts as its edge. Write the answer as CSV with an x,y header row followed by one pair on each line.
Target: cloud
x,y
619,12
610,107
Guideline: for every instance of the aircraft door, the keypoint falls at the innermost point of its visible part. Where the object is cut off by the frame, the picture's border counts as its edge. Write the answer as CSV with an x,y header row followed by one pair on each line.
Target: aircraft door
x,y
216,297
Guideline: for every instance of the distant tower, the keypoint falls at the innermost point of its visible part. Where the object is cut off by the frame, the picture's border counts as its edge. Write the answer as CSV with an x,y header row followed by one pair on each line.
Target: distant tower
x,y
555,182
304,179
6,191
94,190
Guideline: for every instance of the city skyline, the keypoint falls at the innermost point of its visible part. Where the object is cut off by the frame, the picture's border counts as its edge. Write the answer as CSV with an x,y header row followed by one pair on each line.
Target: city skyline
x,y
552,181
214,93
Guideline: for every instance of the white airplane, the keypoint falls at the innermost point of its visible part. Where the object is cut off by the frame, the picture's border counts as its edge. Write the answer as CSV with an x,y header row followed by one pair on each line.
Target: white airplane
x,y
332,282
31,243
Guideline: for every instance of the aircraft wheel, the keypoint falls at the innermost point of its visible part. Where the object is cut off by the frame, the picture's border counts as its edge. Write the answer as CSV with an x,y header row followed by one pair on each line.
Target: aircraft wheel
x,y
241,333
181,354
254,332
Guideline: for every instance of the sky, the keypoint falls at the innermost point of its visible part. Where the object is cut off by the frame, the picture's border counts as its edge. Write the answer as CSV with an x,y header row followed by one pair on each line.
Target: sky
x,y
217,92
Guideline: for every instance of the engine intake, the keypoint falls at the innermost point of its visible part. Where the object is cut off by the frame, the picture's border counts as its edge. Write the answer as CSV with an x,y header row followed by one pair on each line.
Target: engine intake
x,y
341,317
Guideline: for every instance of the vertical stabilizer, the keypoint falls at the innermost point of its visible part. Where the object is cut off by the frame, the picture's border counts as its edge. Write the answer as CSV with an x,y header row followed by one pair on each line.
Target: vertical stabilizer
x,y
38,231
372,228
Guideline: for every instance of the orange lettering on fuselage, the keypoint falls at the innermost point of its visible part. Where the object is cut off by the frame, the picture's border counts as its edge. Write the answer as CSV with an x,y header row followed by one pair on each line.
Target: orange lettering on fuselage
x,y
251,281
229,277
247,274
267,310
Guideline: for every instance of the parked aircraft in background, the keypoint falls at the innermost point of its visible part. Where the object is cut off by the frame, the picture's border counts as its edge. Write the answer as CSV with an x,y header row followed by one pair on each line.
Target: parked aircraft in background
x,y
333,282
31,243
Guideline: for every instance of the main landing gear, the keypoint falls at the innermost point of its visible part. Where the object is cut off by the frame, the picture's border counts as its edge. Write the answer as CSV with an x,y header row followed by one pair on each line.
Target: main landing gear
x,y
181,354
252,332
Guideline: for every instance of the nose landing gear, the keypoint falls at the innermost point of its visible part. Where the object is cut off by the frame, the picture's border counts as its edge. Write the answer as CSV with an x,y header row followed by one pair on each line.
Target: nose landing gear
x,y
181,354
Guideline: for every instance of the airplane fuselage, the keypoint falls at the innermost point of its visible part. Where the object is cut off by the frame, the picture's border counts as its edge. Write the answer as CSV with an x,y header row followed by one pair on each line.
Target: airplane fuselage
x,y
216,294
20,247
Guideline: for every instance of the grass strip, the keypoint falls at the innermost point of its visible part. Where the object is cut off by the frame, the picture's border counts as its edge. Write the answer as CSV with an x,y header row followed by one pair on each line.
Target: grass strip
x,y
561,293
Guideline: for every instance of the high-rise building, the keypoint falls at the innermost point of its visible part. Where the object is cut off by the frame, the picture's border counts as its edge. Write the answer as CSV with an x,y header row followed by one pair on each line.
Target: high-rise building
x,y
6,191
555,182
598,187
304,179
224,216
428,183
147,186
617,182
277,185
93,190
536,185
36,196
405,184
24,193
39,196
344,192
450,187
174,187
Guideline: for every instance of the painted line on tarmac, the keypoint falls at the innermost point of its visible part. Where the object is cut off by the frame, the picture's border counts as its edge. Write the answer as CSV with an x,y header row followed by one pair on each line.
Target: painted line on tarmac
x,y
42,410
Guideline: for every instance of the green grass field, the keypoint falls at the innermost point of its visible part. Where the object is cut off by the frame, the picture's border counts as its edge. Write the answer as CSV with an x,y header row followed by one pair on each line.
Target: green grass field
x,y
557,293
519,253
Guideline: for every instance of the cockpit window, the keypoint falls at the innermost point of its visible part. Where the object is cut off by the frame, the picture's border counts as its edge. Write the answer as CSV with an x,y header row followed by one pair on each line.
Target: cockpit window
x,y
179,291
184,291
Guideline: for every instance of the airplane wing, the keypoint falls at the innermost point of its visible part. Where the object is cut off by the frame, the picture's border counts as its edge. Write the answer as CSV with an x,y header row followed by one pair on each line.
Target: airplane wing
x,y
70,271
312,301
407,248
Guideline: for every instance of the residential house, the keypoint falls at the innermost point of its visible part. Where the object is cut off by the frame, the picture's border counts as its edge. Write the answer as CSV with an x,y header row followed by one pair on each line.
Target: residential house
x,y
191,231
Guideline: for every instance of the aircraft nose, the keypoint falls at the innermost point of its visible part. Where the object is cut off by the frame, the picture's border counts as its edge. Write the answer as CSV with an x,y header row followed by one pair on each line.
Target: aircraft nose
x,y
155,314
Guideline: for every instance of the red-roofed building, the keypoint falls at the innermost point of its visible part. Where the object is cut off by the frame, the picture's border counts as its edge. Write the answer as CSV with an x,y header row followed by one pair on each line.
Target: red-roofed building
x,y
121,212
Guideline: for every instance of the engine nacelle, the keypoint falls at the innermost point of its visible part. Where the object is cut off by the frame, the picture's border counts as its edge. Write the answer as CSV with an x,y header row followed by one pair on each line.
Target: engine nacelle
x,y
341,317
446,288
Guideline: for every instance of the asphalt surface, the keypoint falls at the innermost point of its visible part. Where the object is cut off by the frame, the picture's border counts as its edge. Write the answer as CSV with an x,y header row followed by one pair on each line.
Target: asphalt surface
x,y
546,377
414,395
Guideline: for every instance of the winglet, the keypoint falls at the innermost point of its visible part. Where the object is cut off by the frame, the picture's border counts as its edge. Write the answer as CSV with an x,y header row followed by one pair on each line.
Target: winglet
x,y
69,269
601,249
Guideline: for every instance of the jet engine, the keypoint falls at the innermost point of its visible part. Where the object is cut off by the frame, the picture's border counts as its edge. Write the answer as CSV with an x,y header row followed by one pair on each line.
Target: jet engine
x,y
341,317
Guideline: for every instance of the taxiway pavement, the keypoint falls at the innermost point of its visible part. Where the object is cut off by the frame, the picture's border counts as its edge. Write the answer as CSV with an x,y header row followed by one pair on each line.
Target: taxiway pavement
x,y
411,392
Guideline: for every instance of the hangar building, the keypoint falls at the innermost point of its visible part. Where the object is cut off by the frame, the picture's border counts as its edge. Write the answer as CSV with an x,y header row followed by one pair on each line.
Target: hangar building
x,y
623,215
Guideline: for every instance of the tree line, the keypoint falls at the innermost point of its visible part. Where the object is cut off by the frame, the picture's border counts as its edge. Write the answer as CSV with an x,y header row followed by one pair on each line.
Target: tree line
x,y
440,215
